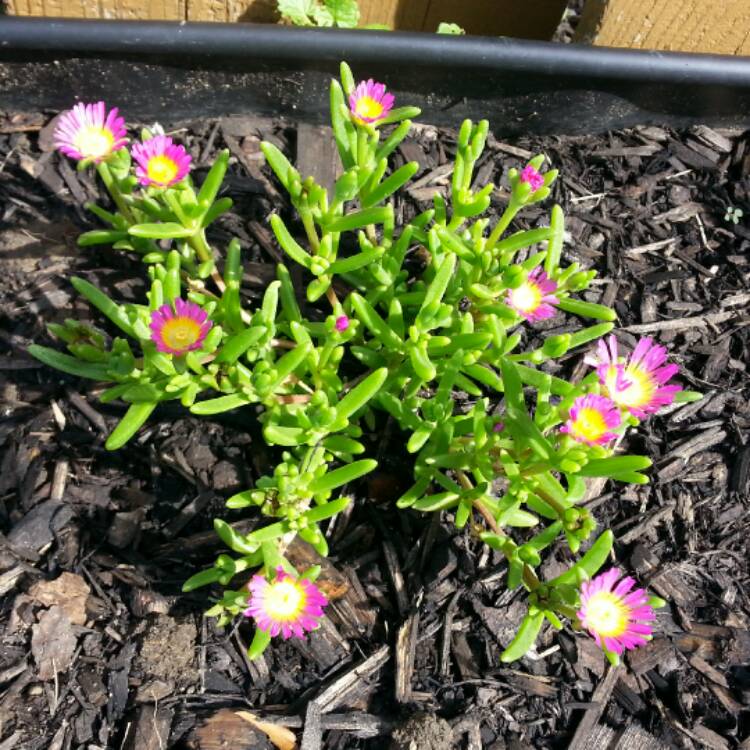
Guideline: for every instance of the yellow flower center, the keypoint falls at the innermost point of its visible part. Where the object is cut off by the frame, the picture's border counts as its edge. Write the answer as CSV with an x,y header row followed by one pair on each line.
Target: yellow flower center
x,y
180,333
94,142
526,297
368,107
606,614
638,393
590,423
161,169
284,600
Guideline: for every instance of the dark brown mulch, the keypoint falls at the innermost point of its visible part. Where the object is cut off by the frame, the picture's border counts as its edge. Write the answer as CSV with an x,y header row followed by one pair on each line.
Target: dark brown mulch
x,y
98,647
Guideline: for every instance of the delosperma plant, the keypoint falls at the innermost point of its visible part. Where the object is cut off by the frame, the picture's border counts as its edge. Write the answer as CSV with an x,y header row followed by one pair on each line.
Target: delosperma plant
x,y
425,323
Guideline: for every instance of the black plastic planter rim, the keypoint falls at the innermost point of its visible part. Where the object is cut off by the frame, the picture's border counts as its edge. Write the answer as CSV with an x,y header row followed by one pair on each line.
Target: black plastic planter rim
x,y
183,70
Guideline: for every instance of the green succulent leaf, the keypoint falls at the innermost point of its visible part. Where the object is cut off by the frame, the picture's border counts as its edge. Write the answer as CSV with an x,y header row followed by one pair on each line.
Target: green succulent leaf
x,y
70,365
104,304
261,641
359,219
327,510
204,578
167,230
589,564
614,466
218,405
341,476
134,418
525,638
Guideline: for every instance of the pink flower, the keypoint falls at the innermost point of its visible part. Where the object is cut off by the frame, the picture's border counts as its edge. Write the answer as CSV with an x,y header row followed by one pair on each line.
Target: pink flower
x,y
369,101
532,176
638,383
88,132
534,299
181,329
342,323
286,605
498,426
591,418
160,162
615,615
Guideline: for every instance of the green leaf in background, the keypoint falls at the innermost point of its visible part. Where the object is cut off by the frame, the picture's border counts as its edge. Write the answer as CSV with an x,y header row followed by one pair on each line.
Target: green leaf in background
x,y
341,13
449,28
298,12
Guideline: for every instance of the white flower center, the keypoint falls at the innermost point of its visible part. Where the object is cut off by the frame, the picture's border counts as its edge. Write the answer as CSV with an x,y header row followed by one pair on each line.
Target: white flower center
x,y
94,142
606,614
284,600
526,297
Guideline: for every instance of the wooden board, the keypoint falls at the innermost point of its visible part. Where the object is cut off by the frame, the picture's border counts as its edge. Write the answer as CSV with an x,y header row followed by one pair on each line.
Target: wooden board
x,y
689,25
533,19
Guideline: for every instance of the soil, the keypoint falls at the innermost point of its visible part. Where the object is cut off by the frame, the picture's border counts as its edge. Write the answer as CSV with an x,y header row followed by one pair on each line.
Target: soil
x,y
100,649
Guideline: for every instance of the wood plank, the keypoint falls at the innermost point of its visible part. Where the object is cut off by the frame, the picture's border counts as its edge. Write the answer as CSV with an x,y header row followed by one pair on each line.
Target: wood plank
x,y
534,19
317,155
688,26
599,700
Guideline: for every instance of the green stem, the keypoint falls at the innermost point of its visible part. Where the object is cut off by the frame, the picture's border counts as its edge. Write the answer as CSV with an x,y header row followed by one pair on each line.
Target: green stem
x,y
312,233
109,182
559,508
204,252
530,579
501,225
201,247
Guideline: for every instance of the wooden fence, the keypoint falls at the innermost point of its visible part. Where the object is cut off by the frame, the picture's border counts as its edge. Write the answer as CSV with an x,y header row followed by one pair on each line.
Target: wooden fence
x,y
721,26
531,19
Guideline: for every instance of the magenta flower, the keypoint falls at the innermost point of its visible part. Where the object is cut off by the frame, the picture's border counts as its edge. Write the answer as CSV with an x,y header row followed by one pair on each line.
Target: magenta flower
x,y
591,418
180,329
286,605
498,426
639,383
369,101
160,162
532,177
534,299
88,132
615,615
342,323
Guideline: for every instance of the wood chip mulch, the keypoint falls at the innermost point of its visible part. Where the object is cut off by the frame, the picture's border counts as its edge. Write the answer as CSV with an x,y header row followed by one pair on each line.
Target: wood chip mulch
x,y
98,647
